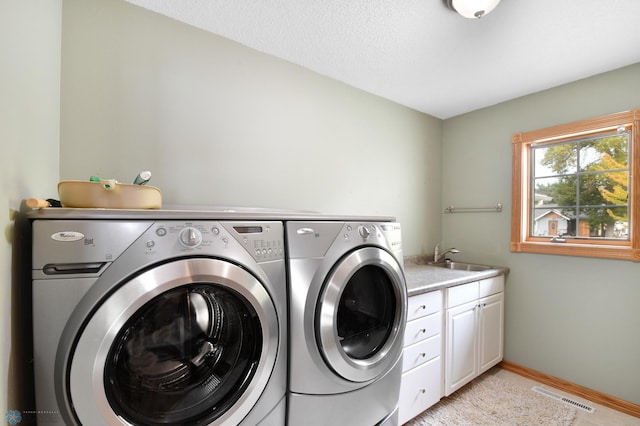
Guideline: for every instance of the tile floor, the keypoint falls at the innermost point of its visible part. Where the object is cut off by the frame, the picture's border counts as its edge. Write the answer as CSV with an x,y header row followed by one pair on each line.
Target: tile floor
x,y
603,416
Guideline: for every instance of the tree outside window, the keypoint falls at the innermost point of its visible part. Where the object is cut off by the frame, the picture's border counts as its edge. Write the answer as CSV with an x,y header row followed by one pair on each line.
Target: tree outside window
x,y
587,180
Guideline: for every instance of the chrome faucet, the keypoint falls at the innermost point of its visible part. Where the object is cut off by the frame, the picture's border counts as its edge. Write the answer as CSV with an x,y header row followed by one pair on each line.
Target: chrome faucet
x,y
437,255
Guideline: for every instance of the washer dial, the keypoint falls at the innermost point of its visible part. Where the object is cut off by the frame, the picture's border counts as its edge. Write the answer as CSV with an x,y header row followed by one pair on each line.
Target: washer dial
x,y
190,237
364,232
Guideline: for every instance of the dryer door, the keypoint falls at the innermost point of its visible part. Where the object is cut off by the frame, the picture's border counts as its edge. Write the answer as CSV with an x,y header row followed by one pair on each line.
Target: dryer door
x,y
189,342
361,314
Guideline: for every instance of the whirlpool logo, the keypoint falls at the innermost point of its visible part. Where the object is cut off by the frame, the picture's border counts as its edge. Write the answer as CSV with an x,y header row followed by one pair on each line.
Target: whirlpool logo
x,y
68,236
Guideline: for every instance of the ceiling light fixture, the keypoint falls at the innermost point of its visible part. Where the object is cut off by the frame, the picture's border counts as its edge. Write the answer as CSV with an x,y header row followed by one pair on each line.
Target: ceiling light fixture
x,y
473,9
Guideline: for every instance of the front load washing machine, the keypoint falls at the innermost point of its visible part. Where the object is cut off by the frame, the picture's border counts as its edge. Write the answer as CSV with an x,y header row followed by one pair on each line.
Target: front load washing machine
x,y
347,310
141,319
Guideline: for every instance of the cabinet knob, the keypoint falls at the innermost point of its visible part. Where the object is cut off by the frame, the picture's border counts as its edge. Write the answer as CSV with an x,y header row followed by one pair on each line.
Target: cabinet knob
x,y
423,391
423,354
424,330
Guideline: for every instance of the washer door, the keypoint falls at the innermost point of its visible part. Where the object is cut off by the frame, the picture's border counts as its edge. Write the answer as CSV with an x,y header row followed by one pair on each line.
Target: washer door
x,y
361,314
188,342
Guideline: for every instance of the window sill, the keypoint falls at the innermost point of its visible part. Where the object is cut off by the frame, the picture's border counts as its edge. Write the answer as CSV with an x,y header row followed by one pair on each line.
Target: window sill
x,y
581,250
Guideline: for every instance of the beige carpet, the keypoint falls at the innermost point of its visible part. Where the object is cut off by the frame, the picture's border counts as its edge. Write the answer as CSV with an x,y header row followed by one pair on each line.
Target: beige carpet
x,y
493,401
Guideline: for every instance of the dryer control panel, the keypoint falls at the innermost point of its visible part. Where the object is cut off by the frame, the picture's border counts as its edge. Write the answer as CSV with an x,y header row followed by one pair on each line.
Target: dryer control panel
x,y
313,239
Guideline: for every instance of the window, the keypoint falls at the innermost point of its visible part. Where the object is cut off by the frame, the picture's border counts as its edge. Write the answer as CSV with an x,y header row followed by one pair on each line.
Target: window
x,y
575,188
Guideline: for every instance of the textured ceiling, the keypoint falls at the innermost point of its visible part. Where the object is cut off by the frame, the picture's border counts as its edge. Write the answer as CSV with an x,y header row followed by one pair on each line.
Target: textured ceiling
x,y
420,54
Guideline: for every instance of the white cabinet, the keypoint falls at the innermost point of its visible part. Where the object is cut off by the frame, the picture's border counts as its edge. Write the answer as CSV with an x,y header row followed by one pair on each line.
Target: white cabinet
x,y
422,360
461,346
490,331
473,330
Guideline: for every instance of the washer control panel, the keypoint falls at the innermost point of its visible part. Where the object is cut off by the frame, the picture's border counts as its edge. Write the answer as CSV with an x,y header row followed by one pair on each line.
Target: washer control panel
x,y
262,240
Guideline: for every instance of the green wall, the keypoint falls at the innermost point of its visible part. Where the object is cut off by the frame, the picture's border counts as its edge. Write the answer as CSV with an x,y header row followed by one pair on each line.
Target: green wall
x,y
574,318
219,123
29,146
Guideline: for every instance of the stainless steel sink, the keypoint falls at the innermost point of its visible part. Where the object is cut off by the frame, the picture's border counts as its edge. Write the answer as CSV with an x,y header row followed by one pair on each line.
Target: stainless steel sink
x,y
461,266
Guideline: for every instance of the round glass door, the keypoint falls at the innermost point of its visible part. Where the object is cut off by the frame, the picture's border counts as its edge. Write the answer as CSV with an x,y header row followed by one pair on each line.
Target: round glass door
x,y
186,356
189,342
366,312
361,314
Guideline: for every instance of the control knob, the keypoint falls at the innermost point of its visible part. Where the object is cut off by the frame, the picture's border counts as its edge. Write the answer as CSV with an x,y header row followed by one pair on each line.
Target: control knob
x,y
364,232
190,237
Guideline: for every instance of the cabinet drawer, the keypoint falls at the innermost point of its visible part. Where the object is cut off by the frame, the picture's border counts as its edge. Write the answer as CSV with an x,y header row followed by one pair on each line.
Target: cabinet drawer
x,y
491,286
424,304
421,352
422,328
462,294
420,389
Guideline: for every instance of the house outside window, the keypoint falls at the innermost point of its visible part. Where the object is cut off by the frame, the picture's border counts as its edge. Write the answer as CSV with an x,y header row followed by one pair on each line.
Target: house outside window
x,y
575,188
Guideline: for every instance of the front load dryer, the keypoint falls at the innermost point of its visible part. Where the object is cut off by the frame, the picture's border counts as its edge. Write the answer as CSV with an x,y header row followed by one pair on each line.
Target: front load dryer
x,y
148,321
347,301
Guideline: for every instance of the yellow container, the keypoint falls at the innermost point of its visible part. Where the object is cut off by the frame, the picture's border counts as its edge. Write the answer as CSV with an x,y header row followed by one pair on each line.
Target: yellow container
x,y
108,194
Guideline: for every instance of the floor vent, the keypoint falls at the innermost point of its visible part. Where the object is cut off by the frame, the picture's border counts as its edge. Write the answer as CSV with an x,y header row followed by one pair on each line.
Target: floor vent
x,y
564,399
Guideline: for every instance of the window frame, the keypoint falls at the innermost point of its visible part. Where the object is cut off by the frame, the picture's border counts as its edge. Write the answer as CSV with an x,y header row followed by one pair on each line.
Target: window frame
x,y
521,241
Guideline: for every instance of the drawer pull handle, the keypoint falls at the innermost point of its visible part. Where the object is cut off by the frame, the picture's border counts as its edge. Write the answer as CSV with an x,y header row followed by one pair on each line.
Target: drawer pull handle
x,y
424,330
423,307
423,391
423,354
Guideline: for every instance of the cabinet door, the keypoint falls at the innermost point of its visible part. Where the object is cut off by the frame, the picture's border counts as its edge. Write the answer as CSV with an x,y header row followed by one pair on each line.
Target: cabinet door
x,y
461,348
421,388
490,331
